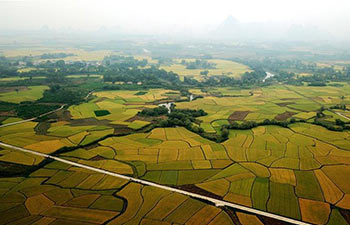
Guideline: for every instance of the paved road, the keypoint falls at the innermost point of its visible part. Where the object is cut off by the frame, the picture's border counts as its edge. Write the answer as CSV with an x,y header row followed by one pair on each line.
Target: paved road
x,y
88,95
338,113
24,121
217,202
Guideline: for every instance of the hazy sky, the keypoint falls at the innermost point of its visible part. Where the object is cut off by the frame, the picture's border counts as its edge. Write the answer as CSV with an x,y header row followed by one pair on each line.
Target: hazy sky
x,y
165,15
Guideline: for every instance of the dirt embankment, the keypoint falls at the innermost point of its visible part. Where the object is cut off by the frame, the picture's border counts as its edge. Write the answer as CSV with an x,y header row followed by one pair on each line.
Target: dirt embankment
x,y
284,104
194,189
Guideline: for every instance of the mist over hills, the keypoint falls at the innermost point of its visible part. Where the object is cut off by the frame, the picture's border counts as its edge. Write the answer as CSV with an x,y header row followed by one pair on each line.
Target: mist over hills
x,y
232,28
261,35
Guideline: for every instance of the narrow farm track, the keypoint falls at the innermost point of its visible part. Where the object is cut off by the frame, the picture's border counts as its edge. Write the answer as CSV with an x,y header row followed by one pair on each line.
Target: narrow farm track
x,y
339,114
28,120
44,114
311,99
218,203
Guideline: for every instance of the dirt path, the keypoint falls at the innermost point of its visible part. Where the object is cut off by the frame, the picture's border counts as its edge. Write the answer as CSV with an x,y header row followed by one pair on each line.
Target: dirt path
x,y
24,121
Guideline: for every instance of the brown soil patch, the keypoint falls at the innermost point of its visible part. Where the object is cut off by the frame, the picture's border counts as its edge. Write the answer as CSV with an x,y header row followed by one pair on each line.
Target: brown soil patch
x,y
96,122
9,89
91,146
161,101
42,127
88,121
132,119
134,103
288,99
238,115
122,130
9,113
283,104
231,213
61,115
284,116
97,158
194,189
271,221
101,99
148,119
141,108
346,214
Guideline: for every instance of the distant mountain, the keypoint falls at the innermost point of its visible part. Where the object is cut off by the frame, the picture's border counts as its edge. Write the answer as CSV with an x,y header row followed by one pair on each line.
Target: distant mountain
x,y
45,29
232,28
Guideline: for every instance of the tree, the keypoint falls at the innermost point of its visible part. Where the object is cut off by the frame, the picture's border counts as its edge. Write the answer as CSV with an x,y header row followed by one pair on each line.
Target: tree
x,y
339,122
204,73
224,133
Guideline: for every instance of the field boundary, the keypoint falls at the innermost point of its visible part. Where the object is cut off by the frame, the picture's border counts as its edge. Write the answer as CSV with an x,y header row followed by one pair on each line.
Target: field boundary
x,y
216,202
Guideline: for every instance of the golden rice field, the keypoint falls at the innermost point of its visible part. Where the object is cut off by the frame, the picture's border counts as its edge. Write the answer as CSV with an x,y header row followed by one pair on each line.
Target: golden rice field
x,y
254,168
298,172
223,67
274,102
122,105
79,54
62,194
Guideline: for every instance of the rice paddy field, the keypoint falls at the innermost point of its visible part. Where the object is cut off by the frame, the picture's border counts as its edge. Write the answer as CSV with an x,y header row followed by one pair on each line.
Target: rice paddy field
x,y
267,168
8,79
11,79
30,93
223,67
78,125
276,102
122,106
299,171
61,194
79,54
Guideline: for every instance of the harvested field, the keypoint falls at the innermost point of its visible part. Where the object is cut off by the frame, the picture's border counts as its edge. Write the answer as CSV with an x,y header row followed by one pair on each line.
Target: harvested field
x,y
284,116
283,104
238,115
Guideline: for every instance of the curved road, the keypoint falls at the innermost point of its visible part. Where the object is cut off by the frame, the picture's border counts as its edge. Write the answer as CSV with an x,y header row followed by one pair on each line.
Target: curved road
x,y
217,202
24,121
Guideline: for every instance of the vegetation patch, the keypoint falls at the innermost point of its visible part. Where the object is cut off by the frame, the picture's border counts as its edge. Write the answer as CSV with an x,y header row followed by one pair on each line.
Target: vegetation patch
x,y
283,104
141,93
99,113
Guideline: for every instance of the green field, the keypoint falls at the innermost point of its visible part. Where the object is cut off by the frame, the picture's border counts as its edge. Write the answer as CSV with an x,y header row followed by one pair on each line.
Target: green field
x,y
8,79
271,166
105,121
223,67
275,102
79,54
31,93
296,171
69,195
